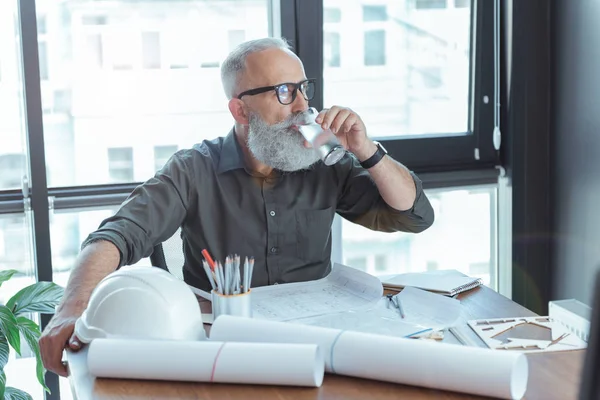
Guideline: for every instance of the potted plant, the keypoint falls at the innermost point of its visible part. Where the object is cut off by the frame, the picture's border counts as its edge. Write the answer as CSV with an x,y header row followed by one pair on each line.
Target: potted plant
x,y
41,297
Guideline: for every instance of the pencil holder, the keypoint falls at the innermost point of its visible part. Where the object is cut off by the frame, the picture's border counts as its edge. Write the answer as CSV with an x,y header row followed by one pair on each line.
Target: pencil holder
x,y
239,305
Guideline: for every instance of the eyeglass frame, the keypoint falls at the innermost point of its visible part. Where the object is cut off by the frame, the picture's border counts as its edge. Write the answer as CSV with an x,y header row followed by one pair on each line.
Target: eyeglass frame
x,y
265,89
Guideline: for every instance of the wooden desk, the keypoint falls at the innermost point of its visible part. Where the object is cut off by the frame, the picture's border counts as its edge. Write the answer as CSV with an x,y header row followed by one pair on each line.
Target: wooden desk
x,y
551,375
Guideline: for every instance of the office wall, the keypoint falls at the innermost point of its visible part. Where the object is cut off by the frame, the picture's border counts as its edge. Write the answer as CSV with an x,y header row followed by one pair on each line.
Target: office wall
x,y
576,147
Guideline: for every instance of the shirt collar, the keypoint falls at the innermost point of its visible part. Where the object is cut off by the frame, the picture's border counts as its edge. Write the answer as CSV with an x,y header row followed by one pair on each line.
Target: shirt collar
x,y
231,154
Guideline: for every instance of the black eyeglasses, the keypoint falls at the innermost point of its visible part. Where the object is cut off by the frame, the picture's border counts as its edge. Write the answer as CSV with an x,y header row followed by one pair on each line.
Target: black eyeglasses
x,y
286,92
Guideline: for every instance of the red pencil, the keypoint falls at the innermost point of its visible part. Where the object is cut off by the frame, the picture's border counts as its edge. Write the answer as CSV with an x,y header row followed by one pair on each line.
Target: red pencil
x,y
209,260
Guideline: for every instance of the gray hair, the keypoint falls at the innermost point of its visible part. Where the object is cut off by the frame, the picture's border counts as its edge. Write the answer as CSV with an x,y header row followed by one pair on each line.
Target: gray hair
x,y
235,63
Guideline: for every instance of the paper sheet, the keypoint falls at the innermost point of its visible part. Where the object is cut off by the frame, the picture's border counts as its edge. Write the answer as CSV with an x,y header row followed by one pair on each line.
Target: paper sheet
x,y
542,334
413,362
429,309
343,289
369,321
207,361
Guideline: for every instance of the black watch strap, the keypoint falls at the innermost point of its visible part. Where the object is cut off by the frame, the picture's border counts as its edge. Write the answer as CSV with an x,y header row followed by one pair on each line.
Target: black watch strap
x,y
375,158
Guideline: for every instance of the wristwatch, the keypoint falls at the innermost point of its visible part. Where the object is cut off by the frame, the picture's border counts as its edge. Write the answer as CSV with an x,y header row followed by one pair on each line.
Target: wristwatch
x,y
375,158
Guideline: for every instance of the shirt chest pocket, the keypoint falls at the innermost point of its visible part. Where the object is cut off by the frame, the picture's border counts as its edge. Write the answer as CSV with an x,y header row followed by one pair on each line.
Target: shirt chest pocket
x,y
313,234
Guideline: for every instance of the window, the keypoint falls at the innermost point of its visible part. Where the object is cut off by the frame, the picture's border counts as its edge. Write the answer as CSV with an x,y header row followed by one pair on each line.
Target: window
x,y
375,48
12,128
463,236
430,4
94,20
331,49
358,263
115,102
414,75
151,50
120,164
162,155
332,15
41,24
462,3
12,167
43,56
236,37
380,263
374,13
94,55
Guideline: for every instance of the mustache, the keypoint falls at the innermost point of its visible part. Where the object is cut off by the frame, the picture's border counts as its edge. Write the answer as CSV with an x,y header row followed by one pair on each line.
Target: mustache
x,y
299,118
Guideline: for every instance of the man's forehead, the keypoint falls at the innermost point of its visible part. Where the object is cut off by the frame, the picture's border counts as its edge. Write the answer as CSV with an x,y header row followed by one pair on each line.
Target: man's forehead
x,y
270,67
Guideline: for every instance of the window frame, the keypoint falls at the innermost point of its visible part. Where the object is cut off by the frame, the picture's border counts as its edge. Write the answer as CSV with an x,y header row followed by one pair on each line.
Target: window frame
x,y
432,153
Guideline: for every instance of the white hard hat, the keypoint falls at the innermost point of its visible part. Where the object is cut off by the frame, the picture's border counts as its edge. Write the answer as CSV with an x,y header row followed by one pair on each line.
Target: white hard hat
x,y
141,303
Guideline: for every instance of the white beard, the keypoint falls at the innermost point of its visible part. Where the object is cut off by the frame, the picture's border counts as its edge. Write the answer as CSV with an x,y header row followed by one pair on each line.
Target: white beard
x,y
280,146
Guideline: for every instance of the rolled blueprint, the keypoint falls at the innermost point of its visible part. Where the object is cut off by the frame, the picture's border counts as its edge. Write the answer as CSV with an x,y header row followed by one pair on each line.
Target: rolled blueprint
x,y
207,361
407,361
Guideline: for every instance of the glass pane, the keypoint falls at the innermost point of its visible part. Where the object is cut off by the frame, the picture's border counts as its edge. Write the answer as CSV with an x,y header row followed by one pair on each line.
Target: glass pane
x,y
402,65
133,74
68,229
12,138
16,253
463,237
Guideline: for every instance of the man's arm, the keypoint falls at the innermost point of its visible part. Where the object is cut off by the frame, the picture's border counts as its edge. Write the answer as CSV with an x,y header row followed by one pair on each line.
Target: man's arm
x,y
386,197
393,180
150,215
93,264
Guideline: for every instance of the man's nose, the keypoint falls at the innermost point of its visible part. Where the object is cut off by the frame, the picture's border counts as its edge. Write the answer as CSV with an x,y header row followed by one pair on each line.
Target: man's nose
x,y
300,104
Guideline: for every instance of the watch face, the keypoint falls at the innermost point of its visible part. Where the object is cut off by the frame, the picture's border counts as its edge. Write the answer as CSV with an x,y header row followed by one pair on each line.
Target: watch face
x,y
381,146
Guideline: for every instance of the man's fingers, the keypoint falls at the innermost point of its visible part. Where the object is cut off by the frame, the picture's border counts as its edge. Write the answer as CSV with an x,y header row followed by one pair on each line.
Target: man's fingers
x,y
74,343
329,117
340,119
52,351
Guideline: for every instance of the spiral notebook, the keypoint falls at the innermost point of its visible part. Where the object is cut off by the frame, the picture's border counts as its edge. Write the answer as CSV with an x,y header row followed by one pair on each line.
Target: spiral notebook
x,y
449,282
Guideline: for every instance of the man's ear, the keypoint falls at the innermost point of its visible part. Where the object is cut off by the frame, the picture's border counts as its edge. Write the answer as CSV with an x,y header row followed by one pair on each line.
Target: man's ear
x,y
239,111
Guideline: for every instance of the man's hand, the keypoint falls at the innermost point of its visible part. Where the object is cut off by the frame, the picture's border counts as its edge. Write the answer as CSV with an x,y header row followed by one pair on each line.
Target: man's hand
x,y
350,130
57,336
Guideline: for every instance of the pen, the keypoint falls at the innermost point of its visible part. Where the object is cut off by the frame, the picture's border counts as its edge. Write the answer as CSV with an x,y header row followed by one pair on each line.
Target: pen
x,y
250,272
222,276
209,274
209,260
238,279
399,305
417,333
227,275
245,284
219,280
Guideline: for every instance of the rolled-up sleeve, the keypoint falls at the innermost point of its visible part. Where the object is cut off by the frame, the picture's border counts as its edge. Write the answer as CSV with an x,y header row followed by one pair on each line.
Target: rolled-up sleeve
x,y
361,203
151,214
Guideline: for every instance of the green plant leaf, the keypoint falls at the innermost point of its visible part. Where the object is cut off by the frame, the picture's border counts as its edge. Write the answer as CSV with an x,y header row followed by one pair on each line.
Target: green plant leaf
x,y
8,325
31,333
40,297
2,383
16,394
6,275
4,352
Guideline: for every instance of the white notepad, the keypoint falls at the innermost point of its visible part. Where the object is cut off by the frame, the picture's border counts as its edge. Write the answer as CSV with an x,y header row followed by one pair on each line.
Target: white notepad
x,y
448,283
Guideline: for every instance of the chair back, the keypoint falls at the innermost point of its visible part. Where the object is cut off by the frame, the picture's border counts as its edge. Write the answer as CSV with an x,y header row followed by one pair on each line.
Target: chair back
x,y
169,256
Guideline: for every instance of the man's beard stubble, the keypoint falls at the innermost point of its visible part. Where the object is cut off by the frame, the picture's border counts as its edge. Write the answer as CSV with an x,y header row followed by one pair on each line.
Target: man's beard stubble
x,y
280,146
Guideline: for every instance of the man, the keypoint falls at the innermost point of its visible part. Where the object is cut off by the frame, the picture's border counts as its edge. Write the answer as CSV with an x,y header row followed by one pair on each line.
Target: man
x,y
260,192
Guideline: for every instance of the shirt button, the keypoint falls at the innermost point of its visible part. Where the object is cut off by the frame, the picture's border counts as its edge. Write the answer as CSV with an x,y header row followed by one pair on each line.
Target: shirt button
x,y
272,213
273,250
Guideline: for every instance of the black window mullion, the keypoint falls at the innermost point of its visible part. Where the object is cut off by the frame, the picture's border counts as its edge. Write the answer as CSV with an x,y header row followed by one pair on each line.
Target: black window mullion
x,y
42,254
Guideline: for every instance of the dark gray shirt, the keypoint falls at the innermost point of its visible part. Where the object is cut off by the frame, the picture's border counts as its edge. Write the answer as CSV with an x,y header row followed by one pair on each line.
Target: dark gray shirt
x,y
283,220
